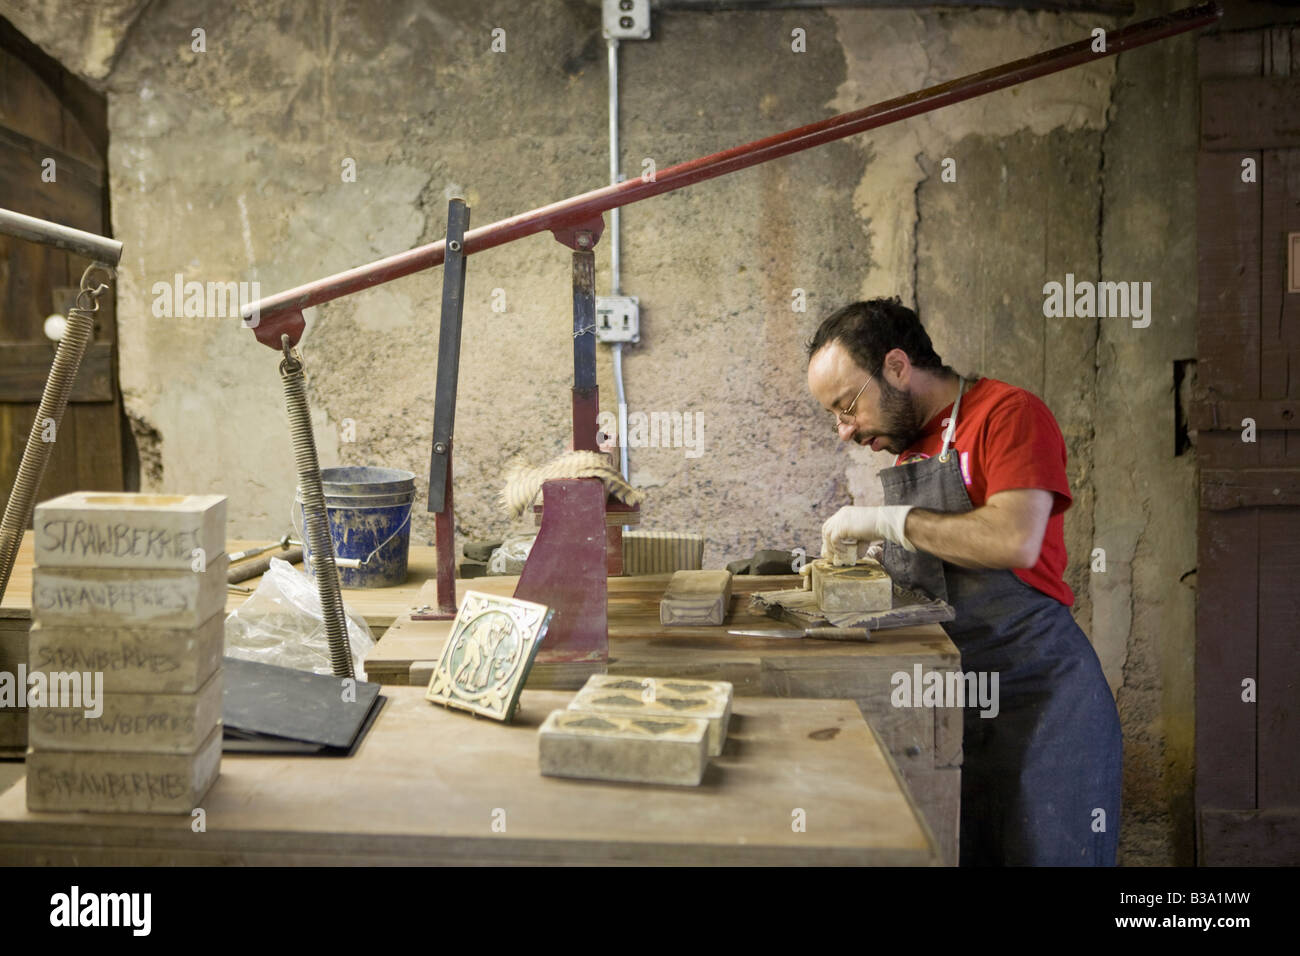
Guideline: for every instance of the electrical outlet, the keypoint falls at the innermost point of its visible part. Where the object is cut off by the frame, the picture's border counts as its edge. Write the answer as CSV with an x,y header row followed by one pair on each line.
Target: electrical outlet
x,y
618,318
626,19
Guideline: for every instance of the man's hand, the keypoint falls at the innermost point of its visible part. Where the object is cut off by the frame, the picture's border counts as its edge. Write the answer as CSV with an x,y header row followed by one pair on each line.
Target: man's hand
x,y
865,525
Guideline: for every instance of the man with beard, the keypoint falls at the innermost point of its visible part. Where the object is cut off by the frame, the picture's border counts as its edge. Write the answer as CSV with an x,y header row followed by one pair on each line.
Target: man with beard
x,y
974,514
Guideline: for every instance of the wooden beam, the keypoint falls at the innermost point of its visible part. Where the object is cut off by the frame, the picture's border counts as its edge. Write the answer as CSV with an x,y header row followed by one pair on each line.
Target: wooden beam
x,y
1250,837
27,365
1278,415
1223,489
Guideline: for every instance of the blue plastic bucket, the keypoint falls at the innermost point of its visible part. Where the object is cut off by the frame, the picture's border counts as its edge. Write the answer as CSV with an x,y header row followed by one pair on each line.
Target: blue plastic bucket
x,y
369,511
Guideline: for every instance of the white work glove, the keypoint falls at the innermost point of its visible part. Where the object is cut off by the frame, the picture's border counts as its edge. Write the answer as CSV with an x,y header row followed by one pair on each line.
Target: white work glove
x,y
865,525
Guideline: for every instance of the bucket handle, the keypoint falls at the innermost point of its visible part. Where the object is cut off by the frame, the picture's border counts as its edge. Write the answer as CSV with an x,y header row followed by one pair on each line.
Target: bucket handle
x,y
351,563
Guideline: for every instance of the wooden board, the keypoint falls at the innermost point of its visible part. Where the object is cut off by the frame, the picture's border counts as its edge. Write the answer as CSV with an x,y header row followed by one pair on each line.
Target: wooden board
x,y
1228,342
1248,333
800,607
1250,837
639,644
1250,112
1278,722
375,807
46,113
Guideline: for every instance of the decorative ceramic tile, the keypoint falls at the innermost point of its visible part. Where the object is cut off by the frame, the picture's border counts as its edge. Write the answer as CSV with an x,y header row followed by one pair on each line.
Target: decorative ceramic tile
x,y
682,686
653,699
488,654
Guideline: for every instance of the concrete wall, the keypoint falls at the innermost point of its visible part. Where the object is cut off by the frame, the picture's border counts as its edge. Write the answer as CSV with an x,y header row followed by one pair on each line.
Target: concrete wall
x,y
226,165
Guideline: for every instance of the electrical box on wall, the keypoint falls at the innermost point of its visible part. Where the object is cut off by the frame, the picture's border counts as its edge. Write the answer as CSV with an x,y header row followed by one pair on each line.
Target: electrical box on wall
x,y
618,318
626,19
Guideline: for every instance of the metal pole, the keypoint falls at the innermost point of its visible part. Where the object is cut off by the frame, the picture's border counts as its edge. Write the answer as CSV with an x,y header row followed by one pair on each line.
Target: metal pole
x,y
586,395
441,499
85,244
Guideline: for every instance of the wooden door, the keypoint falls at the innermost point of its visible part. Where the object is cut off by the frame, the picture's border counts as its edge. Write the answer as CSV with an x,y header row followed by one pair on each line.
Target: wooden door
x,y
53,145
1247,416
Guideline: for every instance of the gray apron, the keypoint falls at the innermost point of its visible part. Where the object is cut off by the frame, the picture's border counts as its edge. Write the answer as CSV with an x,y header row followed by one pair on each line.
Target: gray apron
x,y
1042,778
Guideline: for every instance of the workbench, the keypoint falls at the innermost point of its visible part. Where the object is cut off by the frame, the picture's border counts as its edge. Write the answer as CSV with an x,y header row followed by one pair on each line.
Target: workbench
x,y
799,782
924,743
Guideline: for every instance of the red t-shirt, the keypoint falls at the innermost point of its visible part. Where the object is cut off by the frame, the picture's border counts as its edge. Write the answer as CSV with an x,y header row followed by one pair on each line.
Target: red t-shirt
x,y
1007,438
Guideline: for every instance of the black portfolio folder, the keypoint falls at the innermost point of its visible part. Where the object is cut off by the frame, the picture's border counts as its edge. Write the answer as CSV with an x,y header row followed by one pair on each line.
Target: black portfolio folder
x,y
269,709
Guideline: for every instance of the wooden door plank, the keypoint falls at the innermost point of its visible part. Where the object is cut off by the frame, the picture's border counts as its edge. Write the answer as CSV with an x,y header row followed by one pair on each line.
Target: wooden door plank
x,y
1279,659
1228,260
1223,489
27,366
1230,54
1277,52
1228,264
1293,392
1226,626
1250,838
26,103
1275,202
79,460
1250,112
1275,220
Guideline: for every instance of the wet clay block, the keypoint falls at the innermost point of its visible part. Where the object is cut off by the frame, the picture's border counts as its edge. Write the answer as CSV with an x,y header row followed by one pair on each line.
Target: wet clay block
x,y
670,750
861,587
696,598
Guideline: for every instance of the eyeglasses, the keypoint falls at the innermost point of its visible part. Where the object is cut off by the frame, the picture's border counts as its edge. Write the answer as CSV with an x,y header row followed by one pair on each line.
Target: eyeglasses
x,y
846,417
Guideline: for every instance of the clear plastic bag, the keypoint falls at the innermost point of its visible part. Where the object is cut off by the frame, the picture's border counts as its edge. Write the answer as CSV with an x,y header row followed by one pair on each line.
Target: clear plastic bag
x,y
510,557
281,623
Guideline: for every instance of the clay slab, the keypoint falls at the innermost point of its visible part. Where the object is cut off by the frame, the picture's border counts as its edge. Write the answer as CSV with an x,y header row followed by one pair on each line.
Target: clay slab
x,y
603,746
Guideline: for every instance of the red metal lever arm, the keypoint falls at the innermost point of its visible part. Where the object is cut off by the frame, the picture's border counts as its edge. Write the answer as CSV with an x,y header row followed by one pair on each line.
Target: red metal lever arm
x,y
283,312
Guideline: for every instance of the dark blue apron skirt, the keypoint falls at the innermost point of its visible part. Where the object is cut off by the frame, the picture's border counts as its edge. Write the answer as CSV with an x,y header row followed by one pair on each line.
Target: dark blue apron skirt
x,y
1041,780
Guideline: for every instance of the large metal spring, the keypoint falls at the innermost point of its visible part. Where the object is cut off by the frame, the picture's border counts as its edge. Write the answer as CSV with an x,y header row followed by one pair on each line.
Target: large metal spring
x,y
49,416
315,519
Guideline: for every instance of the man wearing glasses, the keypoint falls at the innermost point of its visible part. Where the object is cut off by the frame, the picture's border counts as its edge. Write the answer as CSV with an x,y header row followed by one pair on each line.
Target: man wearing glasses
x,y
974,514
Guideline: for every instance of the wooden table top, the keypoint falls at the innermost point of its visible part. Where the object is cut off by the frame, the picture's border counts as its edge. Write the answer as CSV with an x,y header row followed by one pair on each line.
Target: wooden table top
x,y
640,644
427,784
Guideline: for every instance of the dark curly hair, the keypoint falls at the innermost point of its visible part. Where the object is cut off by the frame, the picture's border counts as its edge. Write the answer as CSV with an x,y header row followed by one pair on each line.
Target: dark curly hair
x,y
872,329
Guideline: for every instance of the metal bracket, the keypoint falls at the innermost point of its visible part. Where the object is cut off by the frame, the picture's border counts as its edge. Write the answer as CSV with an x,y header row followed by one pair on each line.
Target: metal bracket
x,y
444,409
453,309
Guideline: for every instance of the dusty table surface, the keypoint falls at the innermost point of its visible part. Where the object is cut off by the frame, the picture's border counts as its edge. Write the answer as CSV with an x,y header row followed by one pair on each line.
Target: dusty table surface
x,y
428,785
640,644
